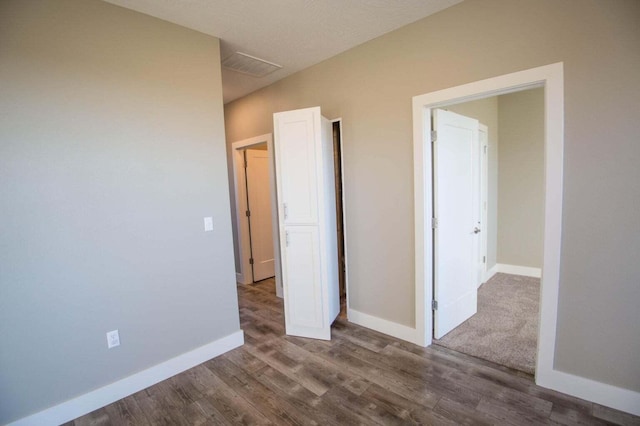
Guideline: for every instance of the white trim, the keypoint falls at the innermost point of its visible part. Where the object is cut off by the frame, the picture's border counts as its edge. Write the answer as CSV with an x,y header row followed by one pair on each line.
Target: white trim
x,y
591,390
491,272
98,398
244,276
551,78
484,199
517,270
422,224
384,326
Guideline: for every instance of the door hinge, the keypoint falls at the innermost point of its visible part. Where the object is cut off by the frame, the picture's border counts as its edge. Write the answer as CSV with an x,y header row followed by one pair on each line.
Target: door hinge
x,y
484,259
485,148
434,305
434,222
251,261
248,213
434,136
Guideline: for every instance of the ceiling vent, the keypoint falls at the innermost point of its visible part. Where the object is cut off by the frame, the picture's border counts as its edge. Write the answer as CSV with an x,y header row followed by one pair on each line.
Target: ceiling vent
x,y
250,65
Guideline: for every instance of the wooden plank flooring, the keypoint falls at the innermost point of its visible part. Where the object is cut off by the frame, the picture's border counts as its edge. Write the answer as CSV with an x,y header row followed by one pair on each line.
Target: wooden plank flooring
x,y
359,377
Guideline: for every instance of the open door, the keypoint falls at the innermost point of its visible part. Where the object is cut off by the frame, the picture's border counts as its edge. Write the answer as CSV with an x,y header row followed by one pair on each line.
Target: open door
x,y
455,156
307,222
259,213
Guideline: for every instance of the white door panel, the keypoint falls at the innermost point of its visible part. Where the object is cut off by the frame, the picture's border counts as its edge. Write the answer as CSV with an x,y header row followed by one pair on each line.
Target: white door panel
x,y
259,198
297,161
455,207
304,178
303,290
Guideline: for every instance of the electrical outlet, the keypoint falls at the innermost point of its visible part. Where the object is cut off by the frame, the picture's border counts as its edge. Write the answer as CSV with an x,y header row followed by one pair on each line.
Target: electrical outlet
x,y
113,339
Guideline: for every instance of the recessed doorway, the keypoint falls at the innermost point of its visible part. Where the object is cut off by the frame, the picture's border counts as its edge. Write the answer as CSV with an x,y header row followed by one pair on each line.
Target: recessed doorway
x,y
505,191
550,77
254,187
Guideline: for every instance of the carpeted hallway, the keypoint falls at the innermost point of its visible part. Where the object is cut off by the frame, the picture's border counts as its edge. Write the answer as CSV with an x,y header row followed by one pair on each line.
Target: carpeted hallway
x,y
505,329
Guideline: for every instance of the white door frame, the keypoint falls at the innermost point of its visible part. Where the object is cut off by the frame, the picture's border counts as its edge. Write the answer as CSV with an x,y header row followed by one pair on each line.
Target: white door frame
x,y
240,188
551,78
484,200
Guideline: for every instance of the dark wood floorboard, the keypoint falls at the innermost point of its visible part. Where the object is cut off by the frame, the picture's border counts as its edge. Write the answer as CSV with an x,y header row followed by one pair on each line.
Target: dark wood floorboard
x,y
360,377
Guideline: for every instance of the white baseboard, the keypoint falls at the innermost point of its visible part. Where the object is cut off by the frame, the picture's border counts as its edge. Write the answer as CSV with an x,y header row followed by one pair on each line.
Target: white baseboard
x,y
591,390
490,273
513,269
98,398
384,326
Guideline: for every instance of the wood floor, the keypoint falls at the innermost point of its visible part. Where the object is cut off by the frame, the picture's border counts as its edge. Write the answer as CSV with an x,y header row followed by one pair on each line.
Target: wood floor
x,y
359,377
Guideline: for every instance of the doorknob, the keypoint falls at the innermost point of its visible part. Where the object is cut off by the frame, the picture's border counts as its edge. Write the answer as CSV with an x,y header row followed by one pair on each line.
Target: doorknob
x,y
476,230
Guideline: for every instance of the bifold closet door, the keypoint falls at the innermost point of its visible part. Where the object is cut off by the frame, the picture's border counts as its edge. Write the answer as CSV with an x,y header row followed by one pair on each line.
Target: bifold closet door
x,y
297,165
305,230
304,304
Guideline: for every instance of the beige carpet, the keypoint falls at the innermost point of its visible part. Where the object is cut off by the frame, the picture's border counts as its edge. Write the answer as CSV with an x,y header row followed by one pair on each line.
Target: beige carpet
x,y
505,329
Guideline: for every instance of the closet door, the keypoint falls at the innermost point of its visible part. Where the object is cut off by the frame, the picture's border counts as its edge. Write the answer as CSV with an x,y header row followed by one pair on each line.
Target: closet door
x,y
307,236
304,292
296,133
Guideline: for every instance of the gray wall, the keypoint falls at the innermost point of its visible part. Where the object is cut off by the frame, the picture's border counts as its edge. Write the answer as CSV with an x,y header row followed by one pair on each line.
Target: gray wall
x,y
111,153
371,87
521,178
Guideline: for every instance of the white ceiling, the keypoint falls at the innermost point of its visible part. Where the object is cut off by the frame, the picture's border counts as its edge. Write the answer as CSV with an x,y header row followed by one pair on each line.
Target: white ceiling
x,y
293,33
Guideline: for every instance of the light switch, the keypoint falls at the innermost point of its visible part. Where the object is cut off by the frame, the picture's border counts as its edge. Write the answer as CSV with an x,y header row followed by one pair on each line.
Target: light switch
x,y
208,224
113,339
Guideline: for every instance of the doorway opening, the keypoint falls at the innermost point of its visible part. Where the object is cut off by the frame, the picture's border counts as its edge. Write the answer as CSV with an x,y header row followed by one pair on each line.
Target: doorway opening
x,y
256,211
505,190
549,77
337,162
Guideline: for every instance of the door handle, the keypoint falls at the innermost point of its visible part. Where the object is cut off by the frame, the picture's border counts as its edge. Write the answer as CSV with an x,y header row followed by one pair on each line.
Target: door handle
x,y
476,230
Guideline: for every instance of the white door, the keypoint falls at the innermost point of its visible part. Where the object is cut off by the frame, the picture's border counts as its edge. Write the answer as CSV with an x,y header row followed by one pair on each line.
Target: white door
x,y
304,178
304,298
259,203
455,157
295,133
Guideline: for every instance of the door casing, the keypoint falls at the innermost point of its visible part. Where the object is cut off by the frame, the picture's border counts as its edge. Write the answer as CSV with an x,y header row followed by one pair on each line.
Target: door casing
x,y
551,78
484,192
